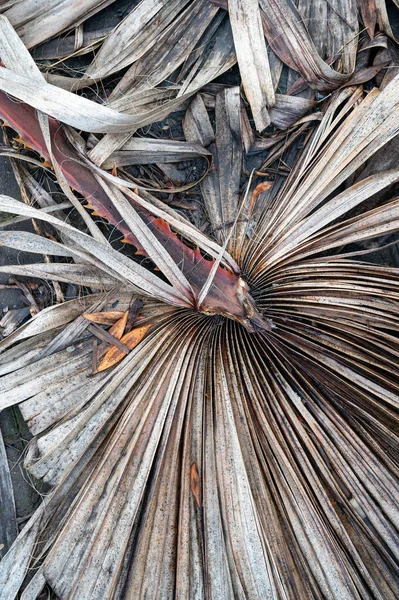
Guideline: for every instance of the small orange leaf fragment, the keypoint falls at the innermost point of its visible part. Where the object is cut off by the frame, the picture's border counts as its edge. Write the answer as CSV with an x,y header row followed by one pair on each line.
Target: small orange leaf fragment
x,y
195,484
131,339
260,188
118,329
104,318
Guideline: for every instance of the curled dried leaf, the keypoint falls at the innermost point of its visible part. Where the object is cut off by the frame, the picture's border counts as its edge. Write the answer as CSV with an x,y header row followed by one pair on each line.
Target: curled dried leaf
x,y
260,188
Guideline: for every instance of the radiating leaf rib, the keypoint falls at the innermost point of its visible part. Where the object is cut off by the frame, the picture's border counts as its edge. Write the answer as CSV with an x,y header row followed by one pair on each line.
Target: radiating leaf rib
x,y
211,461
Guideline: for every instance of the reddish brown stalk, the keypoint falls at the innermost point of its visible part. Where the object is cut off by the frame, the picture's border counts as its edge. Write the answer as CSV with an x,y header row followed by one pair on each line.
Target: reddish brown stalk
x,y
229,294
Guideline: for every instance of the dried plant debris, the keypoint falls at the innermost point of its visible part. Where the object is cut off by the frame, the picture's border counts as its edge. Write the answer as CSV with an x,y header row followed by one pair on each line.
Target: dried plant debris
x,y
8,517
215,411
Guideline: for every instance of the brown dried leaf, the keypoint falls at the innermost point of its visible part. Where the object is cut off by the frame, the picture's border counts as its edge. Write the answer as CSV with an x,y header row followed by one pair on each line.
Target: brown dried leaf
x,y
131,339
104,318
195,484
118,329
260,188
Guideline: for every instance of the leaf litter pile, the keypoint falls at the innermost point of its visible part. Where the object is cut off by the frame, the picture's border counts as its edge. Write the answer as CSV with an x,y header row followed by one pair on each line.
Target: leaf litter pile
x,y
214,411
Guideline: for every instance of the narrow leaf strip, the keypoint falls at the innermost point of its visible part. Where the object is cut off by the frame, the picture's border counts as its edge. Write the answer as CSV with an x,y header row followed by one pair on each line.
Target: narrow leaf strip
x,y
136,274
252,58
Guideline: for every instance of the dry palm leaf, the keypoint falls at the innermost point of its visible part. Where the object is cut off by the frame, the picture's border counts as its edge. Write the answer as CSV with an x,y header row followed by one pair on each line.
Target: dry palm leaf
x,y
240,439
252,58
37,22
342,28
139,151
135,35
8,517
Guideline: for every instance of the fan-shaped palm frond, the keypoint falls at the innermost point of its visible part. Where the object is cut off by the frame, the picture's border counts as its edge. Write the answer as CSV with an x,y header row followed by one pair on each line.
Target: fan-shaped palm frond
x,y
244,445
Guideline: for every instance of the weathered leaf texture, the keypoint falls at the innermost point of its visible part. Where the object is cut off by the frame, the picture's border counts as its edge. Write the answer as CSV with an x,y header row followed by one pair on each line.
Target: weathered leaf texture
x,y
252,58
384,17
168,403
174,46
229,153
113,263
191,454
8,517
289,39
69,108
17,560
299,43
135,36
339,20
34,587
37,22
206,66
198,129
221,186
141,151
214,462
